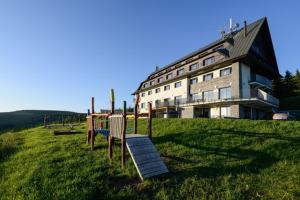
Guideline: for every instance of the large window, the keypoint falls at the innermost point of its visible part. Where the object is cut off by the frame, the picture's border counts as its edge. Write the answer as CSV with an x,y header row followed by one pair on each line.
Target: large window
x,y
193,81
169,76
178,84
208,95
208,77
157,103
180,72
225,93
167,87
209,61
157,90
177,99
194,66
142,105
149,92
195,96
225,111
225,72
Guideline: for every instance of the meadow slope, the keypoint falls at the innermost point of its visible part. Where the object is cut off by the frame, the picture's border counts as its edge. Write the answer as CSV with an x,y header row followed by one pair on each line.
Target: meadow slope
x,y
207,159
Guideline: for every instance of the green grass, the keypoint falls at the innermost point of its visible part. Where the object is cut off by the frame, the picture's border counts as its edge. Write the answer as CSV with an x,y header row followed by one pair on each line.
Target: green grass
x,y
207,159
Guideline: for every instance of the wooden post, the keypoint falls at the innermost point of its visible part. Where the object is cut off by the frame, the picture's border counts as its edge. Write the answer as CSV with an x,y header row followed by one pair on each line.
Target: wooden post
x,y
112,101
92,136
150,120
135,118
123,134
93,105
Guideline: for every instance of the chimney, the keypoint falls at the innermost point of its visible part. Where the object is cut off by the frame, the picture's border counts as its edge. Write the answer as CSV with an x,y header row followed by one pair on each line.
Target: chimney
x,y
230,24
245,28
156,68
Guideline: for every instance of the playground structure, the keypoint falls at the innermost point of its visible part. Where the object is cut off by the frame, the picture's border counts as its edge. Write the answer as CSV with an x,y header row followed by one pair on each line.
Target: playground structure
x,y
61,127
141,149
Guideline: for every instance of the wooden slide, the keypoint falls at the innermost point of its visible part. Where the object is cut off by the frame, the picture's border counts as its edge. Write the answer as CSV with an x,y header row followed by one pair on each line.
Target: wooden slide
x,y
144,155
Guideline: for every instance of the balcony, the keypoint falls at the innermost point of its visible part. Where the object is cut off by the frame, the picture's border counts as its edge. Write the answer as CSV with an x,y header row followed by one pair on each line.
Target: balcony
x,y
213,98
260,81
262,95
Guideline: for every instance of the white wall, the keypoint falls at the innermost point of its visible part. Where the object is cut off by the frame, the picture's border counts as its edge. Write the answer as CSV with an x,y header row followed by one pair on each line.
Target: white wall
x,y
164,94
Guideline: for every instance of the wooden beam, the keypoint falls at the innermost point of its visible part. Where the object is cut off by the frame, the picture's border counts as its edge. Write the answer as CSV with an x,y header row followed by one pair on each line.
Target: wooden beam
x,y
135,117
150,120
123,134
93,105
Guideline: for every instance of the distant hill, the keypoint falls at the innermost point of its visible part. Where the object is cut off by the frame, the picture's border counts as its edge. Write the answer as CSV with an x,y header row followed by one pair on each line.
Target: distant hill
x,y
31,118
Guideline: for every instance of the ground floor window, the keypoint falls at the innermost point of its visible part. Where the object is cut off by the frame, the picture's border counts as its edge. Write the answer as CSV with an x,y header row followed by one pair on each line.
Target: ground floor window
x,y
225,111
177,99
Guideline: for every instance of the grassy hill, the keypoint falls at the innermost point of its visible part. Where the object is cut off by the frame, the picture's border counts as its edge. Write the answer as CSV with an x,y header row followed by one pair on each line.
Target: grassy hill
x,y
207,159
30,118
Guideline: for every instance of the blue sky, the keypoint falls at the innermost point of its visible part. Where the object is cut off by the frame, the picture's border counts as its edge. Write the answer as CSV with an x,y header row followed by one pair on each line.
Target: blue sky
x,y
56,54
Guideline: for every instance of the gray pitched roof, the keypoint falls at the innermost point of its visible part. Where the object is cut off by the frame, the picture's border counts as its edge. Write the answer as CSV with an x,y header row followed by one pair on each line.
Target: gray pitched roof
x,y
241,45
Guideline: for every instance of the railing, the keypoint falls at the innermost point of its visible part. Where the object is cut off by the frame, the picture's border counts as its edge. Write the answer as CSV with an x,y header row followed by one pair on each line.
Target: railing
x,y
262,95
214,98
261,80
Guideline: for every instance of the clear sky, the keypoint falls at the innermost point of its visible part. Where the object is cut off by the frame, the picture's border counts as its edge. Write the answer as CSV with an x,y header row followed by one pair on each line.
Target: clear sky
x,y
56,54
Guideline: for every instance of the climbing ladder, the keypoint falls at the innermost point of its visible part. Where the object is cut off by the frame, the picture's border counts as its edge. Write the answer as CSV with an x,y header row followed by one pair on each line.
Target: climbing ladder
x,y
144,155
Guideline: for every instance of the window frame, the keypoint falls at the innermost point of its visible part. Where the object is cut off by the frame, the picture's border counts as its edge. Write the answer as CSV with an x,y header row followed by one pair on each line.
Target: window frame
x,y
169,87
212,76
157,90
212,58
175,84
226,93
192,80
192,65
167,76
180,70
225,69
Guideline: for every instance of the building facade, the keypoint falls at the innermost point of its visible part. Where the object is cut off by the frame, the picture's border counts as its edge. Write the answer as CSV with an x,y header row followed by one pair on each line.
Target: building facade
x,y
229,78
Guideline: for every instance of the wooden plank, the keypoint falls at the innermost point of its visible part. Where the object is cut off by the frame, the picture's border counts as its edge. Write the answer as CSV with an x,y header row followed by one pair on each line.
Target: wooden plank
x,y
145,157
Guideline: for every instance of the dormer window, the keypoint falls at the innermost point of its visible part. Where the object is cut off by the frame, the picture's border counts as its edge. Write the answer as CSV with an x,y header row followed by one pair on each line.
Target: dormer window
x,y
151,83
169,76
194,66
208,61
159,80
180,72
145,85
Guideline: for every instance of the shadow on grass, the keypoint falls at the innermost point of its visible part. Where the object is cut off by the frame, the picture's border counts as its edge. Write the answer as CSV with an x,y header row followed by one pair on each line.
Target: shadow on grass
x,y
244,157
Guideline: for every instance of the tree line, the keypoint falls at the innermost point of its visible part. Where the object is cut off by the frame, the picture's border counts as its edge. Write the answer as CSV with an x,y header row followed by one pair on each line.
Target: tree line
x,y
288,85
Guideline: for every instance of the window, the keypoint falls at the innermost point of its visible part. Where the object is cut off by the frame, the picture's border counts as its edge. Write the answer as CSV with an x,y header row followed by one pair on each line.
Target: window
x,y
145,85
194,81
169,76
208,61
149,92
166,101
194,66
143,94
225,72
225,93
151,83
208,77
159,80
157,103
208,95
157,90
180,72
195,96
225,111
167,87
178,84
177,99
142,105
